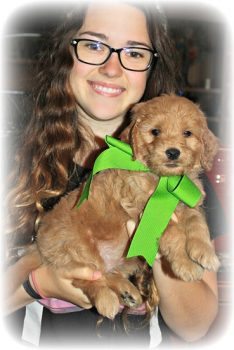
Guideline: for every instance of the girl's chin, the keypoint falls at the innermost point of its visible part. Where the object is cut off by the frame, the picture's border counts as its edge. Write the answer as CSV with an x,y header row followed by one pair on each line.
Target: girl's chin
x,y
107,115
102,111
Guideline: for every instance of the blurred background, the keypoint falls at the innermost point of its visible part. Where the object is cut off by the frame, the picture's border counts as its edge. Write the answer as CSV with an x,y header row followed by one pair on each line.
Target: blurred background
x,y
202,36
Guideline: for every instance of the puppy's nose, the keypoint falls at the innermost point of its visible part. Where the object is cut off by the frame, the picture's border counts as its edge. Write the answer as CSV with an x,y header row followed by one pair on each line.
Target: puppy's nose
x,y
173,153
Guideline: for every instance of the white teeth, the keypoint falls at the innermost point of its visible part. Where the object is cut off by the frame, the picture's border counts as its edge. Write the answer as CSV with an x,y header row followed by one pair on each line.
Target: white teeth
x,y
107,90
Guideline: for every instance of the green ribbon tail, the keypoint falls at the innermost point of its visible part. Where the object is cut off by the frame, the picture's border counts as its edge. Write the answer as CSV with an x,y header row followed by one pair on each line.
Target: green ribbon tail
x,y
158,212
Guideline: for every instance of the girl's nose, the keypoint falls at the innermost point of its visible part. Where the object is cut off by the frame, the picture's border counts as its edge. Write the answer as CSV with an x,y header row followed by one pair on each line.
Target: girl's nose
x,y
112,68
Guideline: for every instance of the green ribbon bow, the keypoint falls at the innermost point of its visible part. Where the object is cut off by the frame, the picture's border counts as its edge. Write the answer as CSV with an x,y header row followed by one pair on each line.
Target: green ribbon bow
x,y
161,204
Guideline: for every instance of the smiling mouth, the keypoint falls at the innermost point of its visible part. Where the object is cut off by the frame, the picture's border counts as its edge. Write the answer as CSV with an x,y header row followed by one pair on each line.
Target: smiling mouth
x,y
106,89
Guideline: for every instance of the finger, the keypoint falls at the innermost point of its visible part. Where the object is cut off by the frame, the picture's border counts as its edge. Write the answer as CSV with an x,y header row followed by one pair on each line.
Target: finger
x,y
158,257
131,227
174,218
87,306
80,299
84,273
83,300
74,294
140,310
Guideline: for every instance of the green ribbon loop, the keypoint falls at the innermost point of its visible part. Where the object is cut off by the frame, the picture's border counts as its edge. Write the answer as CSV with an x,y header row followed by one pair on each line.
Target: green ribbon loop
x,y
161,204
117,156
184,189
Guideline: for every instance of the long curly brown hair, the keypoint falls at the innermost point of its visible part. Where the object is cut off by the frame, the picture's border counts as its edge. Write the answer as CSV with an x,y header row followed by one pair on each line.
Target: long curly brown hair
x,y
54,135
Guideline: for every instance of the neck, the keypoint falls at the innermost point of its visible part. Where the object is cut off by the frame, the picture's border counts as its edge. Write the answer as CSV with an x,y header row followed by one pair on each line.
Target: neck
x,y
99,127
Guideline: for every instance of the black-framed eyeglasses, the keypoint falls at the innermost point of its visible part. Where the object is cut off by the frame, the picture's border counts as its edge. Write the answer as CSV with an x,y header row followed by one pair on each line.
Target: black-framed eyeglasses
x,y
96,53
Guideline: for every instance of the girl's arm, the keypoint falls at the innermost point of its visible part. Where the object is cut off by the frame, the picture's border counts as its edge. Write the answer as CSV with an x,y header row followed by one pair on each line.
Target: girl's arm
x,y
56,283
188,308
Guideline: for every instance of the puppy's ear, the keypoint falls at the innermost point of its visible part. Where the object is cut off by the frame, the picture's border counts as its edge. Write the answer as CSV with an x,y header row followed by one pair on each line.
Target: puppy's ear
x,y
136,141
126,134
210,149
129,135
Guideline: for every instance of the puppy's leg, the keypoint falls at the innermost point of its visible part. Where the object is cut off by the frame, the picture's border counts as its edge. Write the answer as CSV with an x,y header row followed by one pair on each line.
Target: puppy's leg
x,y
133,282
127,293
198,244
118,280
173,248
101,296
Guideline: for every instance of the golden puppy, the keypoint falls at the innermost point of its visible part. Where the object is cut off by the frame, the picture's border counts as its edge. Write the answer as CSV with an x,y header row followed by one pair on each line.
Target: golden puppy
x,y
169,134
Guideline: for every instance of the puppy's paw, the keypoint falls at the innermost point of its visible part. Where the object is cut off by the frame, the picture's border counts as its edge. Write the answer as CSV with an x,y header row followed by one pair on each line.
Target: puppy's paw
x,y
187,270
129,295
203,254
131,300
107,303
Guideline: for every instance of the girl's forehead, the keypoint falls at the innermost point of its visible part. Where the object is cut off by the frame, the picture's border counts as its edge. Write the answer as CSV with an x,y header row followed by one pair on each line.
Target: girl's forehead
x,y
116,21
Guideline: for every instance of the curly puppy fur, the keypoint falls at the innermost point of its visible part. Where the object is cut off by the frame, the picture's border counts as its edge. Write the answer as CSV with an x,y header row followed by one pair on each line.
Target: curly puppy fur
x,y
169,134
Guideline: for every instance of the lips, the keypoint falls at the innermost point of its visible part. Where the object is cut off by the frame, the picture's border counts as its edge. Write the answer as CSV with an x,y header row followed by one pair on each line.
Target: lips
x,y
104,89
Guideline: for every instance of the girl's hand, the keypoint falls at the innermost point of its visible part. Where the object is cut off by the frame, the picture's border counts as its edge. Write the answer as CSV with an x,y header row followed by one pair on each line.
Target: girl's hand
x,y
57,283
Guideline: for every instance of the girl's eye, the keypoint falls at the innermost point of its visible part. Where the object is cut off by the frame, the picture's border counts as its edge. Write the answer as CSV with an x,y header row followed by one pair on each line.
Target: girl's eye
x,y
187,133
155,132
94,47
135,54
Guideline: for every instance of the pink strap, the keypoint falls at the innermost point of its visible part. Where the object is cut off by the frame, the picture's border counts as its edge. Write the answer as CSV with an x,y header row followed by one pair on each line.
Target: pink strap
x,y
59,306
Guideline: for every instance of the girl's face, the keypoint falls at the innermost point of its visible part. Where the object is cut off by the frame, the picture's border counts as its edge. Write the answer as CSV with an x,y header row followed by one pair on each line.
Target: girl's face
x,y
106,92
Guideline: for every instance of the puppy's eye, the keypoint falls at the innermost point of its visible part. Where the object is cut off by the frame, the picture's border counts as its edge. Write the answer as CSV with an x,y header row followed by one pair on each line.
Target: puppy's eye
x,y
187,133
155,132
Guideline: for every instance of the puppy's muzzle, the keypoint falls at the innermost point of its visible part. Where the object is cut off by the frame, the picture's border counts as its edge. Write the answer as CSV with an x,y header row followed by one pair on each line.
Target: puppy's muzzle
x,y
172,153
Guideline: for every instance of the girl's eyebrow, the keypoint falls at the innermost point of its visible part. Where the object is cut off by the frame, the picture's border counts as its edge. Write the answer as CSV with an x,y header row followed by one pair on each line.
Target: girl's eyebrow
x,y
105,37
98,35
137,43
